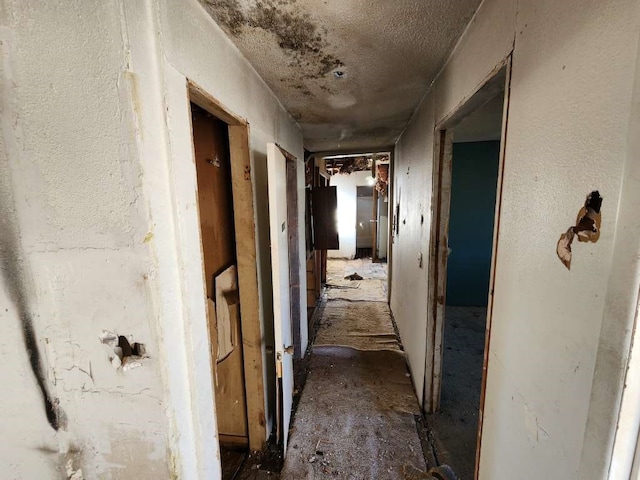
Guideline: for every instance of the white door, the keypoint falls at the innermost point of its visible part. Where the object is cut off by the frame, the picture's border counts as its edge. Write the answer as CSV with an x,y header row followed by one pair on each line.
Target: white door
x,y
277,176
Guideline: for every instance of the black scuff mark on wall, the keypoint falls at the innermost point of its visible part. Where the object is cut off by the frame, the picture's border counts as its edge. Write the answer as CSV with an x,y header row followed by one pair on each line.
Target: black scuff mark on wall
x,y
12,272
587,228
295,31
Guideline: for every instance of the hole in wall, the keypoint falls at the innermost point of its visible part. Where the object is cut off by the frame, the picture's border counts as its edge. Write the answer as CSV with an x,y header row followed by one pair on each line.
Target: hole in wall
x,y
587,228
124,353
130,350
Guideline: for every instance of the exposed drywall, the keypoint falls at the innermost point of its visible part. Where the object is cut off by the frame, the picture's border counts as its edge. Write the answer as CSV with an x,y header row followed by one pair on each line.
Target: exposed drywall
x,y
100,233
474,178
347,185
573,70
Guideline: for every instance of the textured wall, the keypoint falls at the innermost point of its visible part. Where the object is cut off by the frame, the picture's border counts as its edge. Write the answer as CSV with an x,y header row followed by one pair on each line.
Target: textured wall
x,y
98,232
473,199
573,70
74,258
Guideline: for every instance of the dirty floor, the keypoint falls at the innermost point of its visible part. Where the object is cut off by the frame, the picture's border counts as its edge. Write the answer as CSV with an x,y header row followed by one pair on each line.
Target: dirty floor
x,y
357,414
455,426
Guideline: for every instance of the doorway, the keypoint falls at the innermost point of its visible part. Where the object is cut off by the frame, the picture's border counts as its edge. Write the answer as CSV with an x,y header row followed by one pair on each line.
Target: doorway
x,y
227,237
215,202
362,184
467,182
282,169
364,221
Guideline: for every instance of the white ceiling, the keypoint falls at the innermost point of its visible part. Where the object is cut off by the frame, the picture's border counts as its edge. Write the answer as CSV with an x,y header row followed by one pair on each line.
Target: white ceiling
x,y
388,51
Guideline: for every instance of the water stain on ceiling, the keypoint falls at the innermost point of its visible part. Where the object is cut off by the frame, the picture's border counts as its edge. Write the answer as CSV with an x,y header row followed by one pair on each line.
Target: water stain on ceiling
x,y
351,72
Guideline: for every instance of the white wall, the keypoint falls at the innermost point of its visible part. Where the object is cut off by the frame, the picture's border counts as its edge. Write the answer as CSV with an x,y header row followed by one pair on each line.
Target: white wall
x,y
100,232
547,413
347,195
612,361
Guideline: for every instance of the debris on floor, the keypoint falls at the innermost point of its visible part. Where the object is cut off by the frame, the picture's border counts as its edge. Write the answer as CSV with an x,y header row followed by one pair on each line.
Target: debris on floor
x,y
443,472
455,426
356,416
353,276
259,466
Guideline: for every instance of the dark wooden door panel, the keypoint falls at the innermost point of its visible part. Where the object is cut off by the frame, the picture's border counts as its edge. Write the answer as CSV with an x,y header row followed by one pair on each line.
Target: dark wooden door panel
x,y
215,203
325,218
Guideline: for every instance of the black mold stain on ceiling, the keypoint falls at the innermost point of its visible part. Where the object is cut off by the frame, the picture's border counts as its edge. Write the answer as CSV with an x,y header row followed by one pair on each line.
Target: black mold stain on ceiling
x,y
296,33
350,72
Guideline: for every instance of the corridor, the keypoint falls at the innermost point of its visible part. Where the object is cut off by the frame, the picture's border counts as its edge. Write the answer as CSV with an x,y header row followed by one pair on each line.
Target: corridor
x,y
358,390
183,179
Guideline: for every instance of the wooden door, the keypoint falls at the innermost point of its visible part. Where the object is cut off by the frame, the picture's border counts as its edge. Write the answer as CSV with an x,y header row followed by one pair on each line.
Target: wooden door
x,y
215,202
277,179
324,202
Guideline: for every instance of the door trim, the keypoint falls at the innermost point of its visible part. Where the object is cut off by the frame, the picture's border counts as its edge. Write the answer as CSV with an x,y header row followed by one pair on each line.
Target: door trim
x,y
245,237
438,253
494,256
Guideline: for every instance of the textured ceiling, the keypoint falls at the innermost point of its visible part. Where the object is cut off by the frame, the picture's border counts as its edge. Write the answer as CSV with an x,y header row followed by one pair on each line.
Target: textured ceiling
x,y
350,72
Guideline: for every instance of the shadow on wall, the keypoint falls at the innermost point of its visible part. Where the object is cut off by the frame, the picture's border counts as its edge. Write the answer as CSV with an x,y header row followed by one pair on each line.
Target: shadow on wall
x,y
473,197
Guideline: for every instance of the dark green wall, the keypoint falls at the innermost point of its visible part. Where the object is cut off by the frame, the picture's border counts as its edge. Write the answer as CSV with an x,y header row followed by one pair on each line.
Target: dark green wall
x,y
473,197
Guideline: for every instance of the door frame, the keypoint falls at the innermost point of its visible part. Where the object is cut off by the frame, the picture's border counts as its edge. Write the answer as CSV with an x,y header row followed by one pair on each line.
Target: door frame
x,y
438,242
375,257
293,227
391,223
375,217
245,239
279,174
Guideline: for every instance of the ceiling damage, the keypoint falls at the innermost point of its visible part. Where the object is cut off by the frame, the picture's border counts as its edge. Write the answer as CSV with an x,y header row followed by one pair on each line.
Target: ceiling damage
x,y
347,164
350,72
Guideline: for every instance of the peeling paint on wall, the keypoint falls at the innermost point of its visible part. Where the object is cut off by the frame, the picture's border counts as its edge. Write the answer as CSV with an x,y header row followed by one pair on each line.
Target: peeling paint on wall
x,y
587,228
